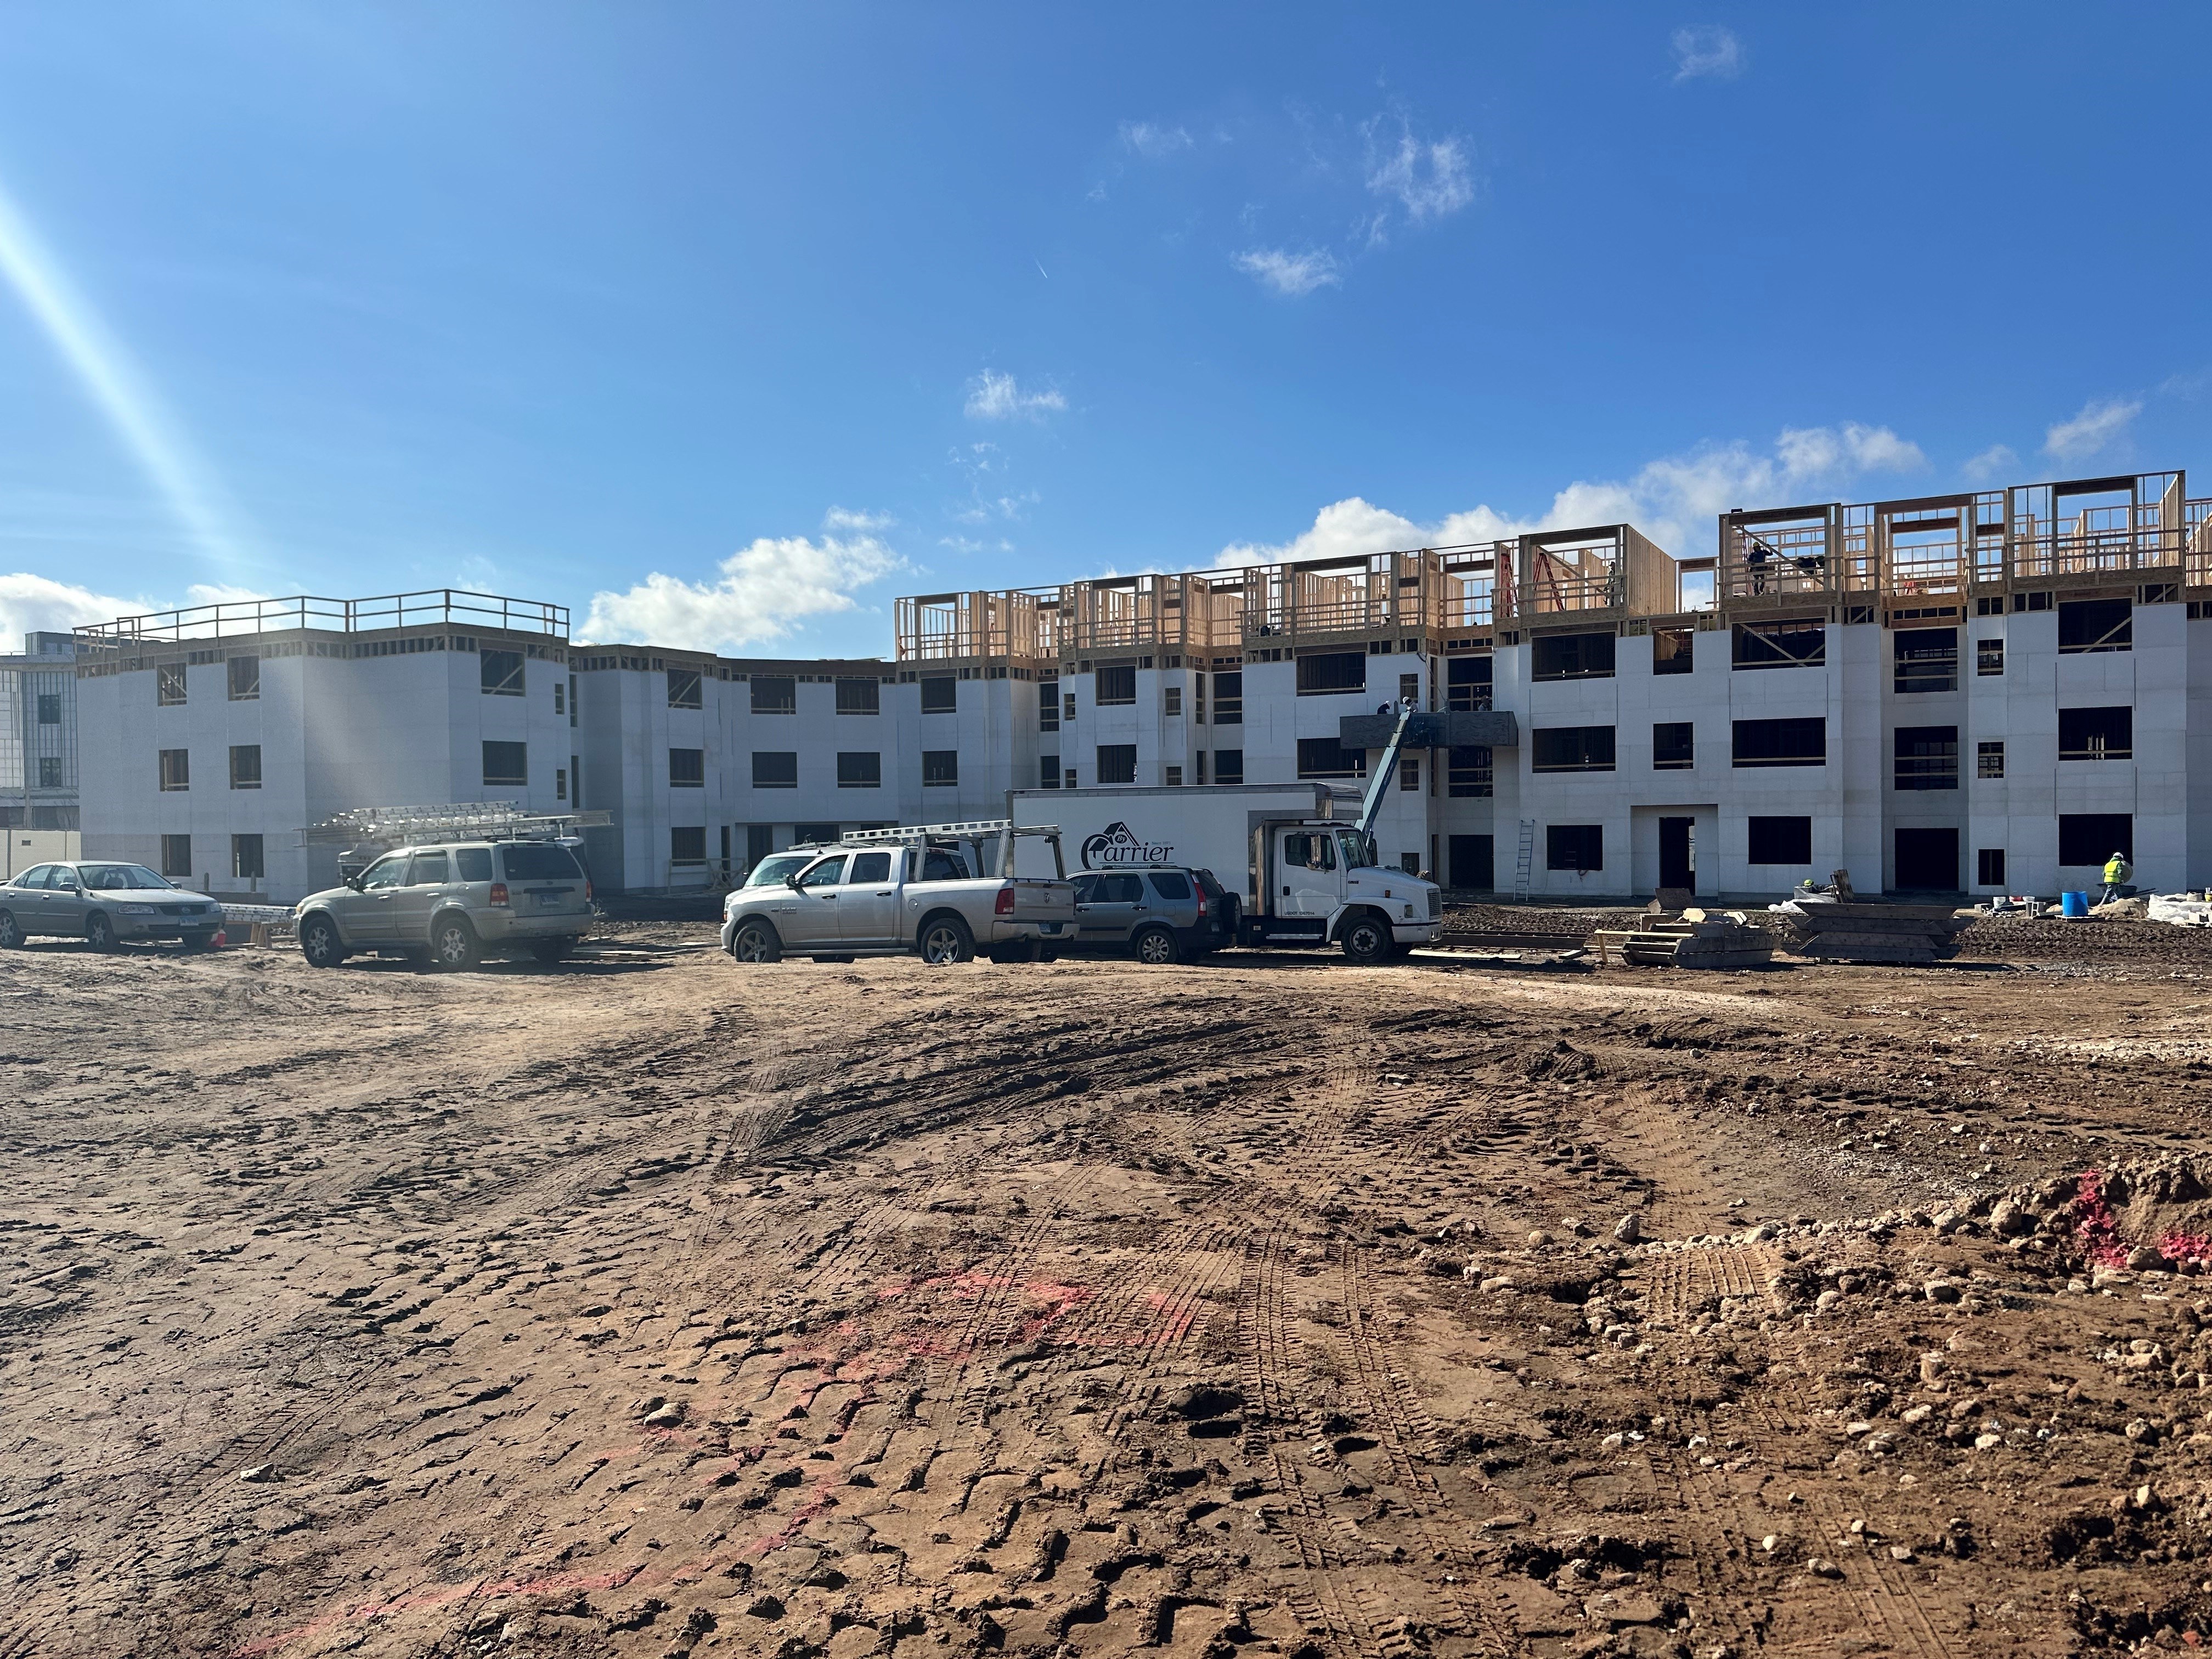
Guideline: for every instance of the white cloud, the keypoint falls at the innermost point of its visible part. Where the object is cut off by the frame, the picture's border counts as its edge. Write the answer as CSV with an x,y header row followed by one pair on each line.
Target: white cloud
x,y
1674,500
2093,428
1153,142
1817,452
1432,180
856,523
1289,273
763,592
221,593
995,396
1992,463
31,604
1711,53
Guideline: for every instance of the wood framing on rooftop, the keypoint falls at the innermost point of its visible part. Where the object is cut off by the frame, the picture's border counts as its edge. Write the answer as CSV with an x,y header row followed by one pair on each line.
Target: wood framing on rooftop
x,y
2138,529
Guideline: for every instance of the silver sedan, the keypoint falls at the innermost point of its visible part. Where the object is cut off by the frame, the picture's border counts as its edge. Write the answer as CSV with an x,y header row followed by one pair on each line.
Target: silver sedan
x,y
104,903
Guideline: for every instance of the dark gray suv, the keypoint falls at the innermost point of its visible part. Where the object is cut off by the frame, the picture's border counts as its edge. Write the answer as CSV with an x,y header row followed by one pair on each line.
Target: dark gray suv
x,y
1157,915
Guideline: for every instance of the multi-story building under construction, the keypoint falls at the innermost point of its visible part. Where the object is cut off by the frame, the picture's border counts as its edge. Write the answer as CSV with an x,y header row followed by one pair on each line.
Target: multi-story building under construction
x,y
1980,693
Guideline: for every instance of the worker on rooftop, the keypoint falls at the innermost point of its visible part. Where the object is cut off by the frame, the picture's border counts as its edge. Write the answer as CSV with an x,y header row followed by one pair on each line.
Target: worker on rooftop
x,y
2118,872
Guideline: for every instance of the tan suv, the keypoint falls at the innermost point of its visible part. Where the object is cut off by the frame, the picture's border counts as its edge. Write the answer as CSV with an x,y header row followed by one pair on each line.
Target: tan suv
x,y
446,906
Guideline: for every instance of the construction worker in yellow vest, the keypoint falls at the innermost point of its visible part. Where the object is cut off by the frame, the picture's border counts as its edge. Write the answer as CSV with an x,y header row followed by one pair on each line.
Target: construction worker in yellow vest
x,y
2118,872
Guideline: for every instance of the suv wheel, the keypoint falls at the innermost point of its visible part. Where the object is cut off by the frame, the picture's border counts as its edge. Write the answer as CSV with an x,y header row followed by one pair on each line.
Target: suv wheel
x,y
318,942
756,942
100,932
552,950
11,930
1366,940
946,940
1155,947
454,944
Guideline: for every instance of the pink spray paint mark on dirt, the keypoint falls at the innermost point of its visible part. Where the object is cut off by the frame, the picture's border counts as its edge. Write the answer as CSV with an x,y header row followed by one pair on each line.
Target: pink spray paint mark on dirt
x,y
2102,1241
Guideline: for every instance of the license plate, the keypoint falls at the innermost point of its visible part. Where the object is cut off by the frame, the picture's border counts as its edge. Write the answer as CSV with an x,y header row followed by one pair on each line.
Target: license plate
x,y
1049,927
546,900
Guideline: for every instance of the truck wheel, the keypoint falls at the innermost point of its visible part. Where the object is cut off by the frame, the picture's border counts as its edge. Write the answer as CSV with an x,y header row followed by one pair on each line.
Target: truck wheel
x,y
1155,947
946,940
318,942
454,944
1366,940
756,942
1007,955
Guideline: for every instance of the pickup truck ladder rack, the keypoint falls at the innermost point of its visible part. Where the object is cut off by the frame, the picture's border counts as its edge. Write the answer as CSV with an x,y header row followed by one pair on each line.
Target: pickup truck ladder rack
x,y
908,834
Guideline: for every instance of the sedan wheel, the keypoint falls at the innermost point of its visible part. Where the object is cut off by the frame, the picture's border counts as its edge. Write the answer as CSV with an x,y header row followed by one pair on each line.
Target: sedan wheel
x,y
11,930
100,932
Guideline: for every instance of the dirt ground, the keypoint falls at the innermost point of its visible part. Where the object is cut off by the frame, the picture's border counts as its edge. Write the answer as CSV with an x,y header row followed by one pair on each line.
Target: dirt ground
x,y
650,1305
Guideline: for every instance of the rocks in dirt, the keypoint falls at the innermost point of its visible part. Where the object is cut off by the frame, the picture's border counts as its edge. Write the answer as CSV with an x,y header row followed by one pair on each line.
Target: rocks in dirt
x,y
1629,1229
1200,1401
261,1474
666,1416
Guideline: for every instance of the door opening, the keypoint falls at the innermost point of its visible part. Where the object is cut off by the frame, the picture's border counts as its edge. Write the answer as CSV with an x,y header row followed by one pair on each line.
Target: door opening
x,y
1928,860
1678,854
1474,863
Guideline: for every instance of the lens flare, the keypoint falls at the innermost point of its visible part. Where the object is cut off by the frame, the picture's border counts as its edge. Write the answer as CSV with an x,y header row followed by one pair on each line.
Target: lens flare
x,y
114,383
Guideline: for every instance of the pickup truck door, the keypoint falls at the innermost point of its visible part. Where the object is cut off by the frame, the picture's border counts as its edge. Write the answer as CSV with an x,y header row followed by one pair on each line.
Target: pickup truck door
x,y
868,904
1109,914
1307,881
812,916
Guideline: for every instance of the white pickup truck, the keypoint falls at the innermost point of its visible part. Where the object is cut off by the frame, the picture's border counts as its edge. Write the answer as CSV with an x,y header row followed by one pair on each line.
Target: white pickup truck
x,y
909,891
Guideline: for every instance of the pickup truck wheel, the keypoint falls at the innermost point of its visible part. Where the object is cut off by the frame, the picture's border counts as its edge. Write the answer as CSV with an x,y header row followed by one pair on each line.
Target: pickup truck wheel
x,y
756,942
1155,947
11,930
1366,939
454,944
318,942
946,940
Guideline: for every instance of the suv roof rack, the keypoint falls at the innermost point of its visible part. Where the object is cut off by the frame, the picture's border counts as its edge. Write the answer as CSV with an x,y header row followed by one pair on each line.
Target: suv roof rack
x,y
416,826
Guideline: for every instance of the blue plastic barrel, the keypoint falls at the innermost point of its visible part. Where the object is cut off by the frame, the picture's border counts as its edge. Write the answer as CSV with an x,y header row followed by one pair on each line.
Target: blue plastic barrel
x,y
2076,905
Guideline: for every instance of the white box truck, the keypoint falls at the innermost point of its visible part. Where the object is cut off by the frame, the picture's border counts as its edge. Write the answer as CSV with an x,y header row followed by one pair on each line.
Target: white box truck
x,y
1296,858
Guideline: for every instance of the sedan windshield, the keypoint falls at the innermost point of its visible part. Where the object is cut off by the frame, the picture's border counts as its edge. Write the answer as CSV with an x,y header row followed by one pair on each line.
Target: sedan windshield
x,y
106,877
772,873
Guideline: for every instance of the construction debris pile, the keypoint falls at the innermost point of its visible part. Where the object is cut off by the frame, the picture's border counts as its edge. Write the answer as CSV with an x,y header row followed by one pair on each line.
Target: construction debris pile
x,y
1695,939
1832,924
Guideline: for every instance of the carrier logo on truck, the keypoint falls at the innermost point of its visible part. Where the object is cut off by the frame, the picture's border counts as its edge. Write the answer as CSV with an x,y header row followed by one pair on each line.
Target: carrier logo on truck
x,y
1116,844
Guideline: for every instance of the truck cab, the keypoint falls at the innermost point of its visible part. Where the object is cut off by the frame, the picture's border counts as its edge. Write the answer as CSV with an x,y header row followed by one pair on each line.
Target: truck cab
x,y
1318,881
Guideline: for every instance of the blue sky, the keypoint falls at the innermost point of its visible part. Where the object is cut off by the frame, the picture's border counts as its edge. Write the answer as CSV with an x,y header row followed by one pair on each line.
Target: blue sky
x,y
723,325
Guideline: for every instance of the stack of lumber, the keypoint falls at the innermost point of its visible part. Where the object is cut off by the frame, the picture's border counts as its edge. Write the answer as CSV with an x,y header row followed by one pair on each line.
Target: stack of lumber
x,y
1695,939
1829,930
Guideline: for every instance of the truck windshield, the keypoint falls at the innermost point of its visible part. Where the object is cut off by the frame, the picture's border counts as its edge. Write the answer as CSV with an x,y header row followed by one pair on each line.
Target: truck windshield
x,y
772,871
1358,850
